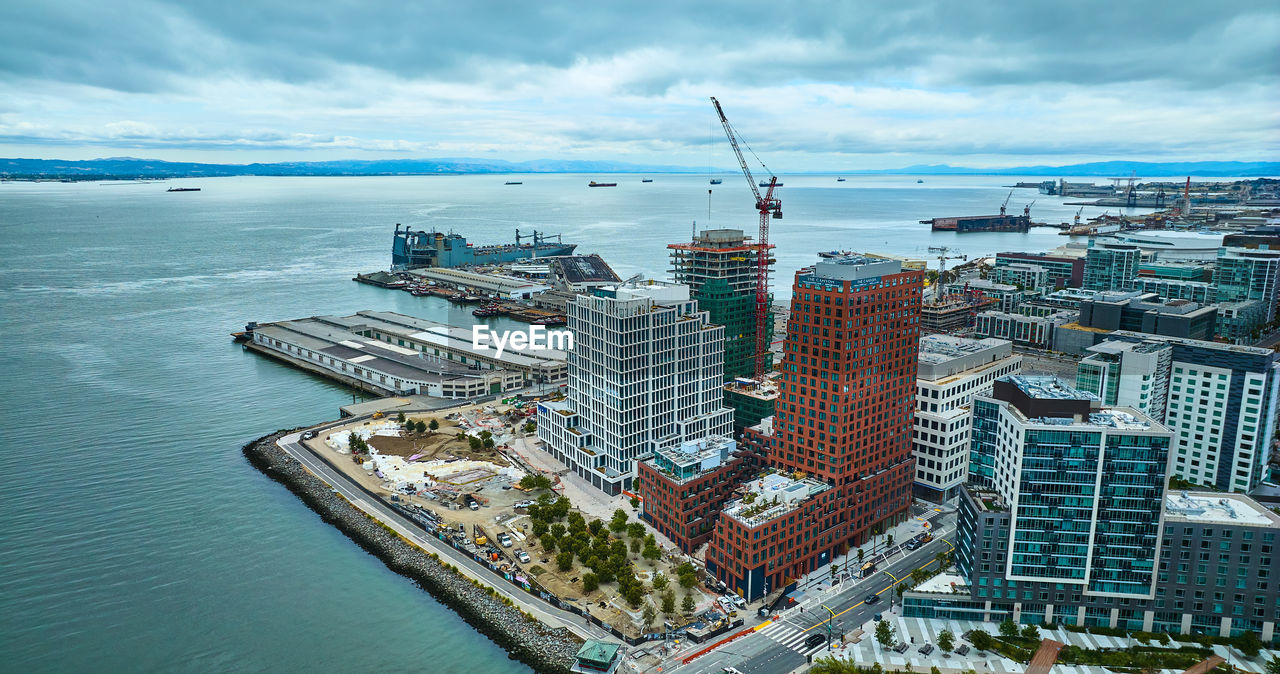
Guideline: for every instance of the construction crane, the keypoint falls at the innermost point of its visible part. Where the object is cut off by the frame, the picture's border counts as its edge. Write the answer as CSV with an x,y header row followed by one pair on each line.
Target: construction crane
x,y
943,256
768,206
1006,202
1186,199
1026,210
1076,222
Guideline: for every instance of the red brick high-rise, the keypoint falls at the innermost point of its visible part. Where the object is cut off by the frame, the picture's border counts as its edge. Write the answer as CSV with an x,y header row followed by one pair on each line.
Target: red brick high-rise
x,y
847,396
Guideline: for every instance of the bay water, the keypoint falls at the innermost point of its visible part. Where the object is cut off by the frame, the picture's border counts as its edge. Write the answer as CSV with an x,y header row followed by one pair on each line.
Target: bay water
x,y
134,535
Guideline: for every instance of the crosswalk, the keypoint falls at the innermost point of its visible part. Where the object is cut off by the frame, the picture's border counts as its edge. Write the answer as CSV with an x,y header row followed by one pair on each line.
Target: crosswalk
x,y
793,637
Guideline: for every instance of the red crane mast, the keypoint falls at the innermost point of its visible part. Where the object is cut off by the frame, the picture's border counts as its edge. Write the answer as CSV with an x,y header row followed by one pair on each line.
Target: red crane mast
x,y
768,206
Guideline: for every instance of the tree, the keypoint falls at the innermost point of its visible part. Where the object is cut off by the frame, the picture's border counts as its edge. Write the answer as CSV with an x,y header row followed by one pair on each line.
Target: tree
x,y
618,549
539,527
595,527
917,576
660,581
400,418
633,594
575,519
1031,632
648,616
557,530
619,522
635,546
888,541
650,552
835,569
1273,666
475,443
1249,644
946,641
688,577
635,530
902,588
884,634
668,602
635,502
688,604
530,427
488,442
981,640
548,542
1009,629
860,555
561,507
941,557
590,582
564,560
421,427
433,426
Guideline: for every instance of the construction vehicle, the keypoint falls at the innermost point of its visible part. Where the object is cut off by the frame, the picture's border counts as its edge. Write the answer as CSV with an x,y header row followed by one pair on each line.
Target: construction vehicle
x,y
378,415
768,206
480,538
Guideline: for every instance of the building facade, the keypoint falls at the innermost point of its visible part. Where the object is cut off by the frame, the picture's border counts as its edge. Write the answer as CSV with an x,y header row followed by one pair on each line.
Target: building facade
x,y
1030,277
1033,331
1110,266
683,489
1064,272
1249,274
951,371
1128,374
646,373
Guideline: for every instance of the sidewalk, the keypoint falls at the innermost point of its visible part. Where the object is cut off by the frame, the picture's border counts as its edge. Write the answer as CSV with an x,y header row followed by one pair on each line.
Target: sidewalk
x,y
876,549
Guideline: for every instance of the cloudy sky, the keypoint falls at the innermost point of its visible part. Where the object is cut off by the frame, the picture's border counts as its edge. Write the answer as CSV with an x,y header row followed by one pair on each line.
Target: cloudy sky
x,y
812,86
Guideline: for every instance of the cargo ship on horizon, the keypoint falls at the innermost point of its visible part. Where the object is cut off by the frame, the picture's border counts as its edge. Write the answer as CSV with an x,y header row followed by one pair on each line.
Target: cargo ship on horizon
x,y
412,249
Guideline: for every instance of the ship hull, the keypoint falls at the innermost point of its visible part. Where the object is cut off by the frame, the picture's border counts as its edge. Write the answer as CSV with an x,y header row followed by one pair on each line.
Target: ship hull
x,y
417,249
981,223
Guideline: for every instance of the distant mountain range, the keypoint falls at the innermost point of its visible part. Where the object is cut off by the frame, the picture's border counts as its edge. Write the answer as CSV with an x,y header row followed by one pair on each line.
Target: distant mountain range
x,y
130,167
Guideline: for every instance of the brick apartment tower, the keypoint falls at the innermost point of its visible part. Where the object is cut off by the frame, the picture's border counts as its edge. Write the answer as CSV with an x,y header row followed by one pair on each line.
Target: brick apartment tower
x,y
847,397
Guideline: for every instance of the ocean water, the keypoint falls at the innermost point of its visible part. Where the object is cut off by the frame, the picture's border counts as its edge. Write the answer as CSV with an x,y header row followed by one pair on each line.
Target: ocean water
x,y
134,535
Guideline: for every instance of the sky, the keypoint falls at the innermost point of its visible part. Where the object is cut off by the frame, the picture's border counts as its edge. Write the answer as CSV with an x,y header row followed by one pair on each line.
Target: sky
x,y
810,86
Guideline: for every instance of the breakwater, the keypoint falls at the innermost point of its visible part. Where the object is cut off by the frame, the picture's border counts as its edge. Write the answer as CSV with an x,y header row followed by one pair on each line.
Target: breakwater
x,y
524,638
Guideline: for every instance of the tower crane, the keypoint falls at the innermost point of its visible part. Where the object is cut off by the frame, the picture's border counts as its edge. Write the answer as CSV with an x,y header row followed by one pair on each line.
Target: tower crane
x,y
1026,210
943,256
768,206
1186,199
1006,202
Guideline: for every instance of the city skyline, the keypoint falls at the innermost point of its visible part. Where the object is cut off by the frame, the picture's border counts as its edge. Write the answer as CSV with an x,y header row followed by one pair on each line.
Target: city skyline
x,y
823,87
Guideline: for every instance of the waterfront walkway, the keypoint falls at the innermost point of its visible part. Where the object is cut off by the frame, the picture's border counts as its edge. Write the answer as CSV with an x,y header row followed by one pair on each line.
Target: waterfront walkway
x,y
545,613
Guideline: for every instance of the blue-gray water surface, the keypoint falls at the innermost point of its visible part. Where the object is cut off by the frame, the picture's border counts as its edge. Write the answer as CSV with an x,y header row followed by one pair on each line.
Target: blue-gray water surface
x,y
134,534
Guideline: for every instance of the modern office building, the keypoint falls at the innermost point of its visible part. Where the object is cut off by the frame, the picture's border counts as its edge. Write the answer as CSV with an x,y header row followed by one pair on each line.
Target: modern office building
x,y
1064,272
951,371
752,401
1128,374
1215,570
1241,322
1201,292
1176,271
1110,266
1027,276
683,488
1138,312
1249,274
720,267
1033,331
1222,409
645,373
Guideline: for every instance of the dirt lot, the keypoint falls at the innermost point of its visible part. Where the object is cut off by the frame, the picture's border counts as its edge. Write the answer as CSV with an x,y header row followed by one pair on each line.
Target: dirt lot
x,y
441,444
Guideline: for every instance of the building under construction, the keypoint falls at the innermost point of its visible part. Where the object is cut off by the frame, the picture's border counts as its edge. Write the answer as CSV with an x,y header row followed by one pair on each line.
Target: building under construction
x,y
953,312
720,267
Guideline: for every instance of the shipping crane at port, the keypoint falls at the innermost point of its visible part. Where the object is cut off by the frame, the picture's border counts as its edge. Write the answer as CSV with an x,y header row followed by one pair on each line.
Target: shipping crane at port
x,y
943,256
1026,210
1006,202
1076,221
768,206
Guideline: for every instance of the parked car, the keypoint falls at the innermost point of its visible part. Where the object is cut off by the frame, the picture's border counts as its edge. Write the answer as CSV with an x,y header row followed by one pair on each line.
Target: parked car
x,y
307,435
522,556
738,601
879,617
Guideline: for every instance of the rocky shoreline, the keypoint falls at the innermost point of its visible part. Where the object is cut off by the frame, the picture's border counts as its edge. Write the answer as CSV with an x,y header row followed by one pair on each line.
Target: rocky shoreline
x,y
524,638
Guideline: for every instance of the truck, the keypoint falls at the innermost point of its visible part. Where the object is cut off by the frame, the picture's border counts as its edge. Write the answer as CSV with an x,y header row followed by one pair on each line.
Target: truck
x,y
480,538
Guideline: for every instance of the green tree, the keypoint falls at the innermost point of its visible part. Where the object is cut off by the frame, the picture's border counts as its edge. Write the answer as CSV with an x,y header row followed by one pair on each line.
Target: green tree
x,y
475,443
633,594
1009,629
561,507
860,556
1273,666
422,427
884,634
530,427
635,546
619,522
564,560
548,542
888,541
590,582
595,527
648,616
557,530
1249,644
688,604
433,426
488,442
668,602
830,665
635,502
651,552
539,527
981,640
941,558
400,418
946,641
660,582
576,519
1031,632
484,435
635,530
902,588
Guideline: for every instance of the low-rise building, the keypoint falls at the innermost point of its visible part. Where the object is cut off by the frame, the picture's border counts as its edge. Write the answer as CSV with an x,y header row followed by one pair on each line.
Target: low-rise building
x,y
1063,271
1033,331
684,488
781,529
1007,297
1025,275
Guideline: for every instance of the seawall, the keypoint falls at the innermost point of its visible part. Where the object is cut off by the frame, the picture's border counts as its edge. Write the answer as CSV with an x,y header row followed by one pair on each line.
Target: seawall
x,y
525,639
